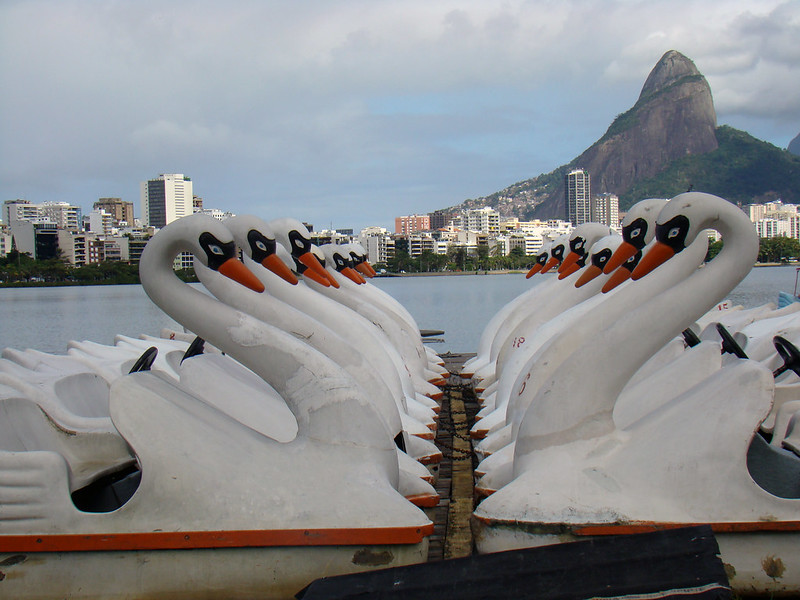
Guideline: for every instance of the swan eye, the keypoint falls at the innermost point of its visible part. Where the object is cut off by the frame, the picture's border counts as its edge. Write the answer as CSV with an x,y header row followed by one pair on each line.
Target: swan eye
x,y
216,250
636,232
674,232
261,246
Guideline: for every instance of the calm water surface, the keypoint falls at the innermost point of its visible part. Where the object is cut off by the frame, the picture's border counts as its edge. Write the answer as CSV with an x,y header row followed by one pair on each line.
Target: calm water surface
x,y
47,318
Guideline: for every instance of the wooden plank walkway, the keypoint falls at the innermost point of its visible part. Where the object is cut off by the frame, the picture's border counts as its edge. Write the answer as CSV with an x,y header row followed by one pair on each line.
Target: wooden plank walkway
x,y
452,537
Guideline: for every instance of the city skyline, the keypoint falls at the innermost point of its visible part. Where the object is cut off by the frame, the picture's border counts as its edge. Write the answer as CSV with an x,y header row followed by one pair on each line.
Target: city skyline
x,y
346,115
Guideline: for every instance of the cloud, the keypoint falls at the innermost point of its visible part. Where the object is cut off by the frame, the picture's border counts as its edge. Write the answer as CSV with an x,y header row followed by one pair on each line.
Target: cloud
x,y
380,107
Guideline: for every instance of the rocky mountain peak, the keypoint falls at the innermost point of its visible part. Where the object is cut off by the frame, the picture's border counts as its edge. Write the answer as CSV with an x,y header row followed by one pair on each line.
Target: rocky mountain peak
x,y
674,117
794,145
670,69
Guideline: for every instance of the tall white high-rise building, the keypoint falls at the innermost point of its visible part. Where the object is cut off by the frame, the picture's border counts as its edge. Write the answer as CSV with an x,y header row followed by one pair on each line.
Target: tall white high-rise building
x,y
165,199
605,210
578,197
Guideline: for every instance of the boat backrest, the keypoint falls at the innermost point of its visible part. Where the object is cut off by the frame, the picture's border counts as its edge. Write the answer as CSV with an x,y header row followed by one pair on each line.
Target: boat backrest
x,y
792,439
25,427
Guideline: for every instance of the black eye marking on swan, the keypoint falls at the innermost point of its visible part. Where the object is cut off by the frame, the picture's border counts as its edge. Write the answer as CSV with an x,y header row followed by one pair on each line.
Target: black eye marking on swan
x,y
300,245
599,259
634,232
216,251
673,233
260,245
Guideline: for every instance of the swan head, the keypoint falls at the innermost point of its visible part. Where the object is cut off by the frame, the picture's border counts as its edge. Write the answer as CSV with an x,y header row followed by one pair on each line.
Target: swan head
x,y
257,240
557,250
599,255
540,261
360,263
622,273
683,219
580,240
207,239
297,240
638,229
339,258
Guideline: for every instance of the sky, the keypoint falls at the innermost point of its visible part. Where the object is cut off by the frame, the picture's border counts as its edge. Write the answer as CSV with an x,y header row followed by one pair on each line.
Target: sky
x,y
347,114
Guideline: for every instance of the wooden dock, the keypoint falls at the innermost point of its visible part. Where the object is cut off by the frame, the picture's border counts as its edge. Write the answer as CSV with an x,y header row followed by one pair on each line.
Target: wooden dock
x,y
452,537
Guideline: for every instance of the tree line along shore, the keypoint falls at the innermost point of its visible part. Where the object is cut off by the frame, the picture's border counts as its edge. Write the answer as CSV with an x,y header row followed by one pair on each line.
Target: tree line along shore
x,y
20,270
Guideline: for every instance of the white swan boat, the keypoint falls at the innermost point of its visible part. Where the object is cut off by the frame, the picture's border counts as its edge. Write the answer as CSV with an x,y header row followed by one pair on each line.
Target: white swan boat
x,y
577,472
213,506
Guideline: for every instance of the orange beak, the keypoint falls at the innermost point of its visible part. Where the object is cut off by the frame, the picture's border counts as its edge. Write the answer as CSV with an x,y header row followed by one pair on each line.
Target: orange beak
x,y
331,279
657,255
534,270
277,266
366,269
623,252
590,273
314,276
312,262
617,277
562,272
549,265
568,261
234,269
352,275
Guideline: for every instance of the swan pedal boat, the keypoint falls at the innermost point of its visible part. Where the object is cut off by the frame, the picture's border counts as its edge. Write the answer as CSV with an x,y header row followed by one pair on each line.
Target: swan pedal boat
x,y
213,506
697,458
181,534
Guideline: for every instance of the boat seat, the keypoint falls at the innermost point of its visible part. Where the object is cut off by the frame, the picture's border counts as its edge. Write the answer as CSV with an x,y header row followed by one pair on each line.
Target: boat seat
x,y
83,394
26,427
782,419
776,470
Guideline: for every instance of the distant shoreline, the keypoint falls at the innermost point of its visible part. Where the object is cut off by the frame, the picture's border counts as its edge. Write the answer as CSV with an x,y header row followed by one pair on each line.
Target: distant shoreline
x,y
19,284
514,271
451,273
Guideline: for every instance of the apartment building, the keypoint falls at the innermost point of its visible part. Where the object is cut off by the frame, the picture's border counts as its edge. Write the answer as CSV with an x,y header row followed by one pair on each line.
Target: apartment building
x,y
775,219
166,198
121,212
378,243
485,220
605,210
411,224
578,193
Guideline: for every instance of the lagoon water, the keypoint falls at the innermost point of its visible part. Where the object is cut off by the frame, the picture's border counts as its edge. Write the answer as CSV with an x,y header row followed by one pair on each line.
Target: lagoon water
x,y
47,318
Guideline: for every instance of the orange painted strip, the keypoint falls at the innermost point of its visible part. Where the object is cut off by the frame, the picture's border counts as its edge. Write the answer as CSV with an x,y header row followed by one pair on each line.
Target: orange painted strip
x,y
596,529
424,500
647,527
191,540
431,459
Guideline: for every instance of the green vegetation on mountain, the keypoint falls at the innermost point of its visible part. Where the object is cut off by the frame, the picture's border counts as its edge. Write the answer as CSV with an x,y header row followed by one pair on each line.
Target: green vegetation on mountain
x,y
743,170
